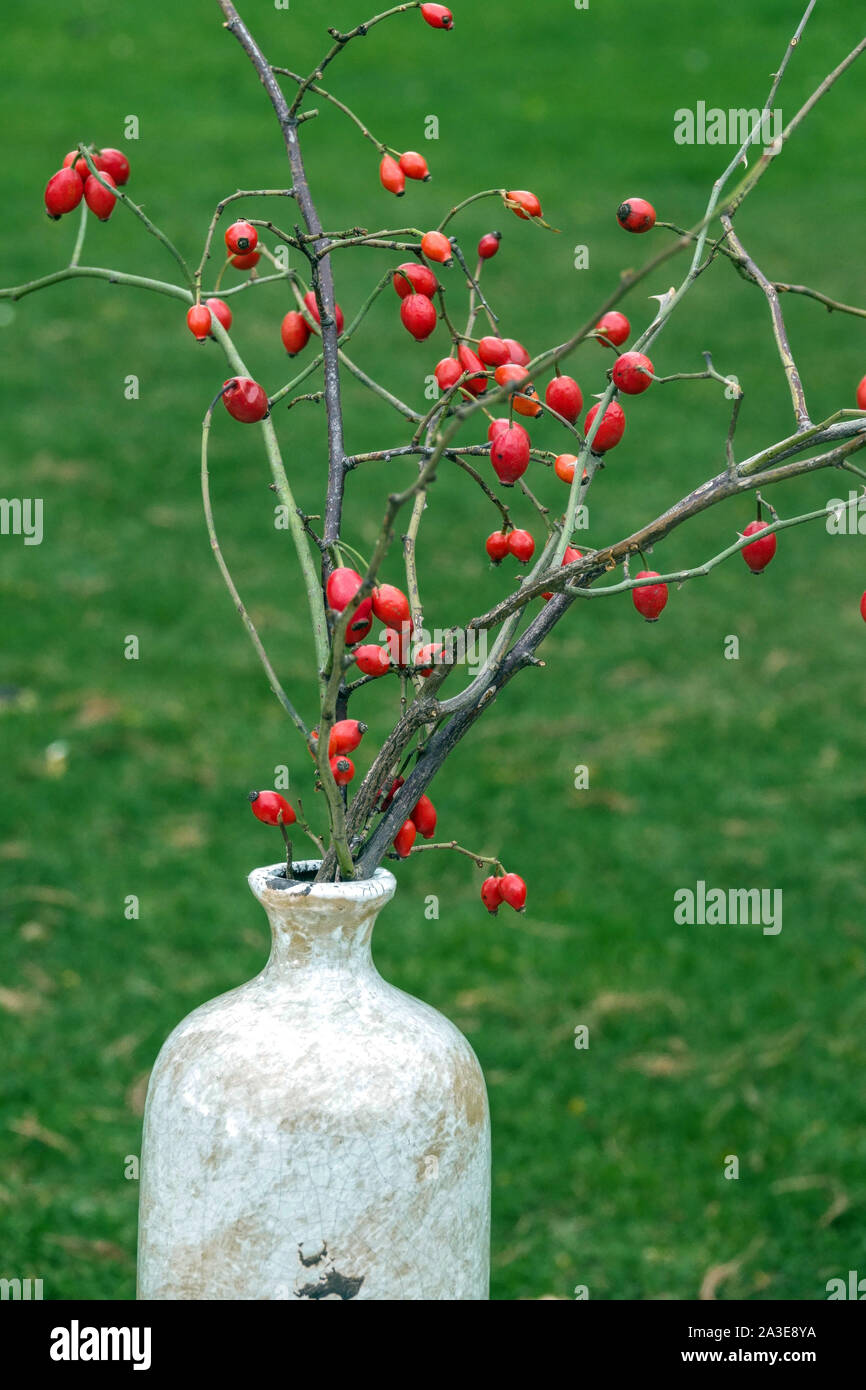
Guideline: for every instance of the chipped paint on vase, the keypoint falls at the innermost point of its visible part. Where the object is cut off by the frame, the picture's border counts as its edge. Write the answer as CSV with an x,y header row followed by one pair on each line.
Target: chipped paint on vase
x,y
316,1133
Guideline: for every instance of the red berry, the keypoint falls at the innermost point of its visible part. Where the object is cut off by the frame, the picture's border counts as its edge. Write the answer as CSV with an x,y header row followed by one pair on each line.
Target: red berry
x,y
437,247
414,165
405,838
246,262
861,394
472,364
245,399
428,657
295,332
241,238
489,245
517,352
521,546
198,322
77,162
611,429
98,198
345,736
424,817
509,454
497,426
412,277
391,606
447,372
343,770
513,891
399,640
525,400
565,397
496,546
632,373
312,306
372,660
271,808
418,314
759,554
341,588
527,205
438,16
571,554
564,466
491,894
115,163
651,599
614,326
221,311
63,192
391,176
395,787
493,352
863,607
636,215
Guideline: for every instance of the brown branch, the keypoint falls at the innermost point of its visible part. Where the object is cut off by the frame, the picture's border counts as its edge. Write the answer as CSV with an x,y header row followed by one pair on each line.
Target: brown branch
x,y
789,366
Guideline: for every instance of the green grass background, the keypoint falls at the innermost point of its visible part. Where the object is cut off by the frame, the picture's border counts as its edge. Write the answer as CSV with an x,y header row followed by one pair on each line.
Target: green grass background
x,y
705,1041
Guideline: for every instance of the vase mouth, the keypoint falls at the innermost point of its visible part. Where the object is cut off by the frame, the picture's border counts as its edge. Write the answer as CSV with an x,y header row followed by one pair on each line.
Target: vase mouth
x,y
271,887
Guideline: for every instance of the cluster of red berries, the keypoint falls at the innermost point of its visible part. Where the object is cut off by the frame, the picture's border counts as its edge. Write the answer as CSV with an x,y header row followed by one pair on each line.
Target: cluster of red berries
x,y
391,606
296,330
503,888
421,822
515,542
344,738
393,173
75,181
198,318
416,285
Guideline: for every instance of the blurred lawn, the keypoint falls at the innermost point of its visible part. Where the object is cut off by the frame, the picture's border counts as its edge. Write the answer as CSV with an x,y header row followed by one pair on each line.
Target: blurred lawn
x,y
704,1041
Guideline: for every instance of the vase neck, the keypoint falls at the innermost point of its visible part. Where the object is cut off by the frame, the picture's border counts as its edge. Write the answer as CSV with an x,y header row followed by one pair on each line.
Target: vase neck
x,y
320,927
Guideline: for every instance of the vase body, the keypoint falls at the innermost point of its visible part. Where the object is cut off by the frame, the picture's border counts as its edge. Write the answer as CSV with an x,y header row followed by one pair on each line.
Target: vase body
x,y
315,1133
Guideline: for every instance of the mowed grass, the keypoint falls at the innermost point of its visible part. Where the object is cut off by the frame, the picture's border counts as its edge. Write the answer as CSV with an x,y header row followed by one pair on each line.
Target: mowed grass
x,y
705,1041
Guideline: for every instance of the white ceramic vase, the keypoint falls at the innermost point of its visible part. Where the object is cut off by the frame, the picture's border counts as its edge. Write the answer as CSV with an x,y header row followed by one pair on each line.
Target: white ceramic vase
x,y
315,1133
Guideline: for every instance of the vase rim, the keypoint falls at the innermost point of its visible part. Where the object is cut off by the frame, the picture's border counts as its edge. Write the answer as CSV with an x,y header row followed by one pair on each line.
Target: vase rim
x,y
266,887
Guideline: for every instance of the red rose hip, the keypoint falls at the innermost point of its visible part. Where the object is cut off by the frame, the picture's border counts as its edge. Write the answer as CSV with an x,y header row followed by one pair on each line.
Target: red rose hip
x,y
63,193
650,599
632,373
565,397
491,894
496,546
513,891
414,278
271,808
636,215
613,326
418,315
521,546
438,16
99,199
295,332
509,454
241,238
245,399
610,430
759,553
